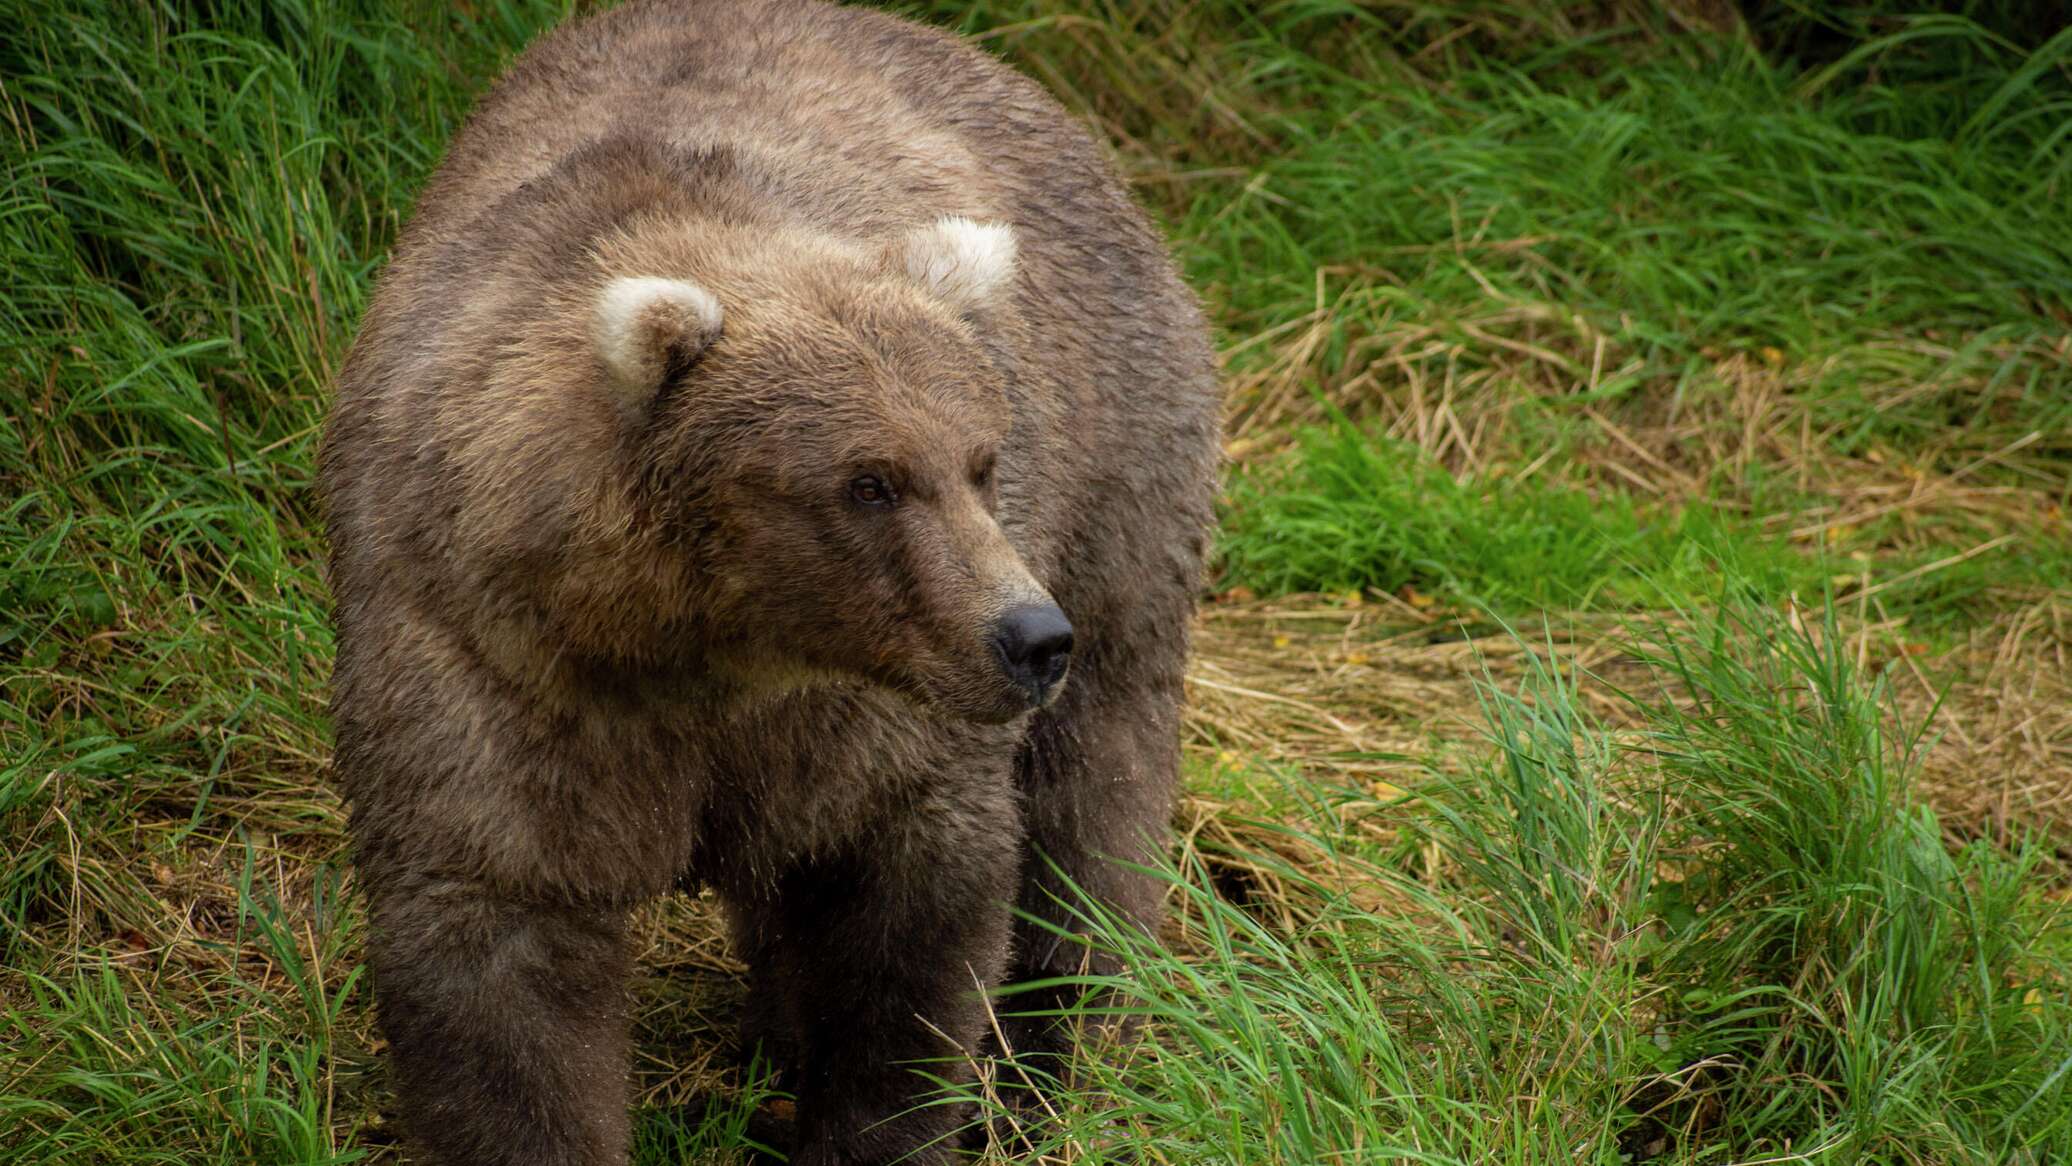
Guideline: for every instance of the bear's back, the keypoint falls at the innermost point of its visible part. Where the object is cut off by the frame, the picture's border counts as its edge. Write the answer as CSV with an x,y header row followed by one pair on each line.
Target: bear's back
x,y
863,124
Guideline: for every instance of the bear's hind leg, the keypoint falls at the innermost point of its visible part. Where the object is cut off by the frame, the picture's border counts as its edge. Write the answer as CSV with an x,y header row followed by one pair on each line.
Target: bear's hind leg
x,y
507,1023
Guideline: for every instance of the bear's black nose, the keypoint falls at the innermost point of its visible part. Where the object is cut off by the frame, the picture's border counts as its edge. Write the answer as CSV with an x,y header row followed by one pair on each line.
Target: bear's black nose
x,y
1035,645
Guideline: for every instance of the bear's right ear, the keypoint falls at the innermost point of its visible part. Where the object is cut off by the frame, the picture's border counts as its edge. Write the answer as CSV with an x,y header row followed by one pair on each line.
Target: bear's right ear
x,y
650,331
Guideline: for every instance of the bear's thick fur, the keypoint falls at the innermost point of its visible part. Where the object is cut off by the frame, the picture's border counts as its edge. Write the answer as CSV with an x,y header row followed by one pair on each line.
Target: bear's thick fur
x,y
758,389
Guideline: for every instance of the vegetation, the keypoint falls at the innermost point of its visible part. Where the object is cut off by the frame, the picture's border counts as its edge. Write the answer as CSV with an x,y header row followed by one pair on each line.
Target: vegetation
x,y
1731,930
1632,723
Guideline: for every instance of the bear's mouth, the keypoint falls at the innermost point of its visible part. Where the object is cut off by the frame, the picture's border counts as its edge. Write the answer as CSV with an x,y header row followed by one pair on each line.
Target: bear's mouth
x,y
986,698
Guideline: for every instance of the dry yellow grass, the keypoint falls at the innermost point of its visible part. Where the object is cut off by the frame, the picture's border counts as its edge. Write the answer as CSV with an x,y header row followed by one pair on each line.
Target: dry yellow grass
x,y
1372,693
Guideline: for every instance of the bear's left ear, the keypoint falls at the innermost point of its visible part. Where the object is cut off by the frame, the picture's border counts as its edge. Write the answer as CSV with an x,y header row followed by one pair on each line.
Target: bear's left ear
x,y
967,265
650,331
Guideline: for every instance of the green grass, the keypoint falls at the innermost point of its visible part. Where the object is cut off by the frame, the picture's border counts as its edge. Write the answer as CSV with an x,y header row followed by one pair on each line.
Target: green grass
x,y
1672,195
1730,934
1858,261
1352,511
1558,309
1702,205
106,1070
1347,510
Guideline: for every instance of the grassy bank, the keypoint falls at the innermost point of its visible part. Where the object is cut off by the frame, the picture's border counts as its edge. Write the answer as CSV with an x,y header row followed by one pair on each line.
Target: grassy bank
x,y
1725,928
1733,358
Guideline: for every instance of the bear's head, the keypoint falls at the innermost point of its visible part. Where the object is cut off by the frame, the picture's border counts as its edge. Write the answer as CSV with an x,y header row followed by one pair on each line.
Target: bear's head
x,y
819,434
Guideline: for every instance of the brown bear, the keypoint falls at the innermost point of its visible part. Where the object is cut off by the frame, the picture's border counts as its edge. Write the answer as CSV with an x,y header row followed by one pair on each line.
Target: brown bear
x,y
779,458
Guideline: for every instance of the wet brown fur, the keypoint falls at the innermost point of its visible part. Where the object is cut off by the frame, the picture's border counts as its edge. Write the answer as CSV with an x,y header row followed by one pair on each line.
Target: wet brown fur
x,y
589,647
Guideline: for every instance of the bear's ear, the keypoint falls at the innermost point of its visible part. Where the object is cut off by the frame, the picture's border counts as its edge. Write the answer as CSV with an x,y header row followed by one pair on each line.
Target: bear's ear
x,y
649,332
965,264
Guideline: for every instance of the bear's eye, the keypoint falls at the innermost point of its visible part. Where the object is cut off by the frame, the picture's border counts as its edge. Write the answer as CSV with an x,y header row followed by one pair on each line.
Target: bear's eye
x,y
871,490
982,477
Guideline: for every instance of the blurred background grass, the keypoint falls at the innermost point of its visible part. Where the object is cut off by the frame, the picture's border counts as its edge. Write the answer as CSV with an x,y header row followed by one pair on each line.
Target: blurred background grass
x,y
1721,348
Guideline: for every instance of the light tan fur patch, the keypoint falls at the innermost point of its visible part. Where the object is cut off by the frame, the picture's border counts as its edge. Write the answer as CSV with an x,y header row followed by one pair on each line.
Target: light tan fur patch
x,y
643,323
965,264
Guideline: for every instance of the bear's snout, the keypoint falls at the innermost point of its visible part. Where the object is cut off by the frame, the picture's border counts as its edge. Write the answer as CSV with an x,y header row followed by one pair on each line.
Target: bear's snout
x,y
1034,642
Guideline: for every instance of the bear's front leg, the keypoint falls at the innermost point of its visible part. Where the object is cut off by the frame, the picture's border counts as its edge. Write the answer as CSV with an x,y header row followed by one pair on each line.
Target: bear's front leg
x,y
506,1021
1098,774
879,956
